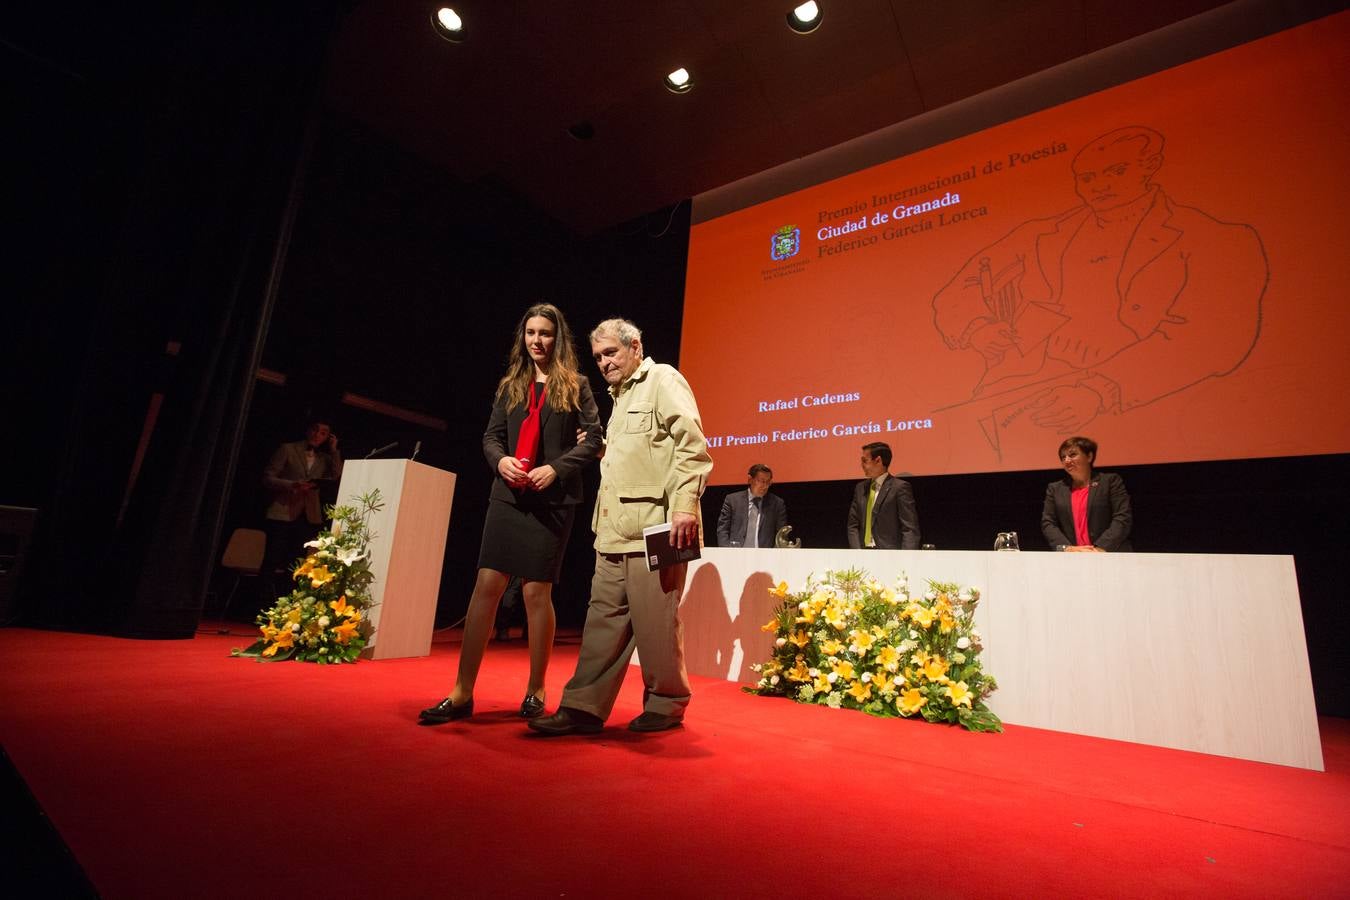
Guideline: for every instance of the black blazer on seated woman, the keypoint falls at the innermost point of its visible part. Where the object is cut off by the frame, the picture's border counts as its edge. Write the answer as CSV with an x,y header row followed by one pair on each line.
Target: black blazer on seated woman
x,y
558,447
1109,515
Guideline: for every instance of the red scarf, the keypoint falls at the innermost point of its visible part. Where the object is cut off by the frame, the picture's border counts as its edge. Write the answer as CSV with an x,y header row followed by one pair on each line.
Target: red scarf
x,y
527,444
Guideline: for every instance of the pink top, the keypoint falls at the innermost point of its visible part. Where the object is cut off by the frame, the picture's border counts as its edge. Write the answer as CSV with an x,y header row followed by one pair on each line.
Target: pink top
x,y
1078,500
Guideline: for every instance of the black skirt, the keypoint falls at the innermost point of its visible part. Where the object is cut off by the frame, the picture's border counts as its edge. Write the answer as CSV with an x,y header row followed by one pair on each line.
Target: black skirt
x,y
527,540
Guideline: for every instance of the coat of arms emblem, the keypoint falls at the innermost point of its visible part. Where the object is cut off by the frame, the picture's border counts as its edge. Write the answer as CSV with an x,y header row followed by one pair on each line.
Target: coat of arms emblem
x,y
785,242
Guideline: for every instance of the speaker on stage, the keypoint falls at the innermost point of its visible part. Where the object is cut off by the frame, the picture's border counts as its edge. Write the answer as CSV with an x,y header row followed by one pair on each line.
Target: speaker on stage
x,y
16,533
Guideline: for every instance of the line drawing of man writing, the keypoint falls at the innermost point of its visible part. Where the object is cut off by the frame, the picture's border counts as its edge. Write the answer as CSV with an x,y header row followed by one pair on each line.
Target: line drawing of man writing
x,y
1118,302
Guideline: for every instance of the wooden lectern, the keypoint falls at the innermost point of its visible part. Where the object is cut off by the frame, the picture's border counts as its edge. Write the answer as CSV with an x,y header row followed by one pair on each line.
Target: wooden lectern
x,y
406,552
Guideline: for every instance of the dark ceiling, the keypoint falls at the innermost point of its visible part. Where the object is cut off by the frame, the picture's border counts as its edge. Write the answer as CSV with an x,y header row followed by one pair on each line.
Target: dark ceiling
x,y
498,105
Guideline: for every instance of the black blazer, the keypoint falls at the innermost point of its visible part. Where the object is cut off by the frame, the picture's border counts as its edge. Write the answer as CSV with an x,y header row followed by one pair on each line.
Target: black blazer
x,y
1109,515
558,447
895,520
735,514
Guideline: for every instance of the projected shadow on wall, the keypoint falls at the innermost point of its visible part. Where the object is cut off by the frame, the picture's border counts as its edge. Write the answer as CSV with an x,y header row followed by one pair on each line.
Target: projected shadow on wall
x,y
1122,300
707,625
715,645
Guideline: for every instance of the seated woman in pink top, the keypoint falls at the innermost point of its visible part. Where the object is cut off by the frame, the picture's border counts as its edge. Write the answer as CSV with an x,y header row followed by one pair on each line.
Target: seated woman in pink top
x,y
1087,511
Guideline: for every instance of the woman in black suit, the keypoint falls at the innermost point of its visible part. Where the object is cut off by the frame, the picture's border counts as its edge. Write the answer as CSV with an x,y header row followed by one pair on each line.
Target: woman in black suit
x,y
544,428
1087,511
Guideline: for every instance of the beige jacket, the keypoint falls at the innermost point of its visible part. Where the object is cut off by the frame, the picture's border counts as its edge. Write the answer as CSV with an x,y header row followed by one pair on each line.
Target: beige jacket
x,y
656,460
286,469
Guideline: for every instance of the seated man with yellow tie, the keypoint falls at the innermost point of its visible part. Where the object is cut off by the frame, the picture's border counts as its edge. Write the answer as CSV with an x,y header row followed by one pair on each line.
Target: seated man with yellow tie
x,y
751,518
882,514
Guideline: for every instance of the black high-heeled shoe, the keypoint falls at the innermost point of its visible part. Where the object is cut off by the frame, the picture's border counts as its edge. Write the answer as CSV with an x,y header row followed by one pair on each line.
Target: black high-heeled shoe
x,y
531,707
445,711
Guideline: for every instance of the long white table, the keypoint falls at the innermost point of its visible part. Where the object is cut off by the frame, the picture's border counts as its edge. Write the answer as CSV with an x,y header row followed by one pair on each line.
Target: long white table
x,y
1190,651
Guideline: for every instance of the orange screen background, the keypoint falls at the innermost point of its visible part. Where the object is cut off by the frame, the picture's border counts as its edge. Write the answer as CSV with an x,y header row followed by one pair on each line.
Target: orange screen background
x,y
1224,335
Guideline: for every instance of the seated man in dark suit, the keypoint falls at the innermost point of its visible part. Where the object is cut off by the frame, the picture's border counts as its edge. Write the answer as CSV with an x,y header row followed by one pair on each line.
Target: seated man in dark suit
x,y
882,514
751,518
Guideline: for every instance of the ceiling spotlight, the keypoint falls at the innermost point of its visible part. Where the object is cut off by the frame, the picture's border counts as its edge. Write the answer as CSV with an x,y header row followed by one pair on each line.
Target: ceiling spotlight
x,y
448,24
805,18
679,82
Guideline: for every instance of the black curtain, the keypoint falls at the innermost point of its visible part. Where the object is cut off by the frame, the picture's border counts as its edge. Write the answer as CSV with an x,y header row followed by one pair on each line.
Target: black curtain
x,y
211,115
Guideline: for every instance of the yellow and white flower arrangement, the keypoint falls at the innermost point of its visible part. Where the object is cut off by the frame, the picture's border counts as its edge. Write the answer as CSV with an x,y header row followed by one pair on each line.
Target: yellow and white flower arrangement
x,y
850,642
324,619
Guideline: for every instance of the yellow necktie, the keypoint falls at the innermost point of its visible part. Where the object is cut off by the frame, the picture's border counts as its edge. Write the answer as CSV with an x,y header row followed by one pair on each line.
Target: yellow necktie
x,y
867,528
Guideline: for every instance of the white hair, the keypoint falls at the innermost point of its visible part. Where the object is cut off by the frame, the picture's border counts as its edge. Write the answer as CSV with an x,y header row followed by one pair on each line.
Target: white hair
x,y
622,330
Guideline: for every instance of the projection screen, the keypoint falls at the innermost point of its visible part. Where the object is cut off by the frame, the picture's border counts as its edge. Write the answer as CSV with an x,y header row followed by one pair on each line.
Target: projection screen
x,y
1160,265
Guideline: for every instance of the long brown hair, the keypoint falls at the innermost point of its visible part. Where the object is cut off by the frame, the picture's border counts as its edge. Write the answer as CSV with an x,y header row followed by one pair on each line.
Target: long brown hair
x,y
564,384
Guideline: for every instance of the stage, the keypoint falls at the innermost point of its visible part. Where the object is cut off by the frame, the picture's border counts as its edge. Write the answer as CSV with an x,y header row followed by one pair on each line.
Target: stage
x,y
171,769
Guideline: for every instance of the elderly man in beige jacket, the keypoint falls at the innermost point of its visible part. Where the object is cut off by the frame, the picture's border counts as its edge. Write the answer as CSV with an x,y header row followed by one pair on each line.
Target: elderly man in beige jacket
x,y
655,467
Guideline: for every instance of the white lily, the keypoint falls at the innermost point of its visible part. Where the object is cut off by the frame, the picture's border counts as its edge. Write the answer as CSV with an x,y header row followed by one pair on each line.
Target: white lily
x,y
350,555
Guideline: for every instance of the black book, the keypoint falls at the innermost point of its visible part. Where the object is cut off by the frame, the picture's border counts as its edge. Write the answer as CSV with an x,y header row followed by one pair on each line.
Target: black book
x,y
659,551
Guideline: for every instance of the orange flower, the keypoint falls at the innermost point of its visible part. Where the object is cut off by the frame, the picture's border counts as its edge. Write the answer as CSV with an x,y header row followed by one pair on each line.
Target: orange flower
x,y
781,591
345,632
959,693
341,608
835,615
769,626
935,670
282,640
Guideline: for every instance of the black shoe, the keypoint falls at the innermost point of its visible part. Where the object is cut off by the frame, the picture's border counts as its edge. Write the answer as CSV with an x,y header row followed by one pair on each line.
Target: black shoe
x,y
567,721
531,707
650,721
445,711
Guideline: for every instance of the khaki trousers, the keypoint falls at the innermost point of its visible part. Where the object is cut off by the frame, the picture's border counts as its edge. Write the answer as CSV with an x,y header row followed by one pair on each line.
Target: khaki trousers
x,y
631,609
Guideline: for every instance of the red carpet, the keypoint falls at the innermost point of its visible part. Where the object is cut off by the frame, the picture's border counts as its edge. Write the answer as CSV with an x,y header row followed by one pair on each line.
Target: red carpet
x,y
172,770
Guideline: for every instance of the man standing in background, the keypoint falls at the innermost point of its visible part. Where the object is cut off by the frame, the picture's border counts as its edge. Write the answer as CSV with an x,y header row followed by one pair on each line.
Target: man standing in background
x,y
295,512
882,514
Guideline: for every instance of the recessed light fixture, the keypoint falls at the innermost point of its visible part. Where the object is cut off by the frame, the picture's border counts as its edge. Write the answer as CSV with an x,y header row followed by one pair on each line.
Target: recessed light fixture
x,y
805,18
448,24
679,82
